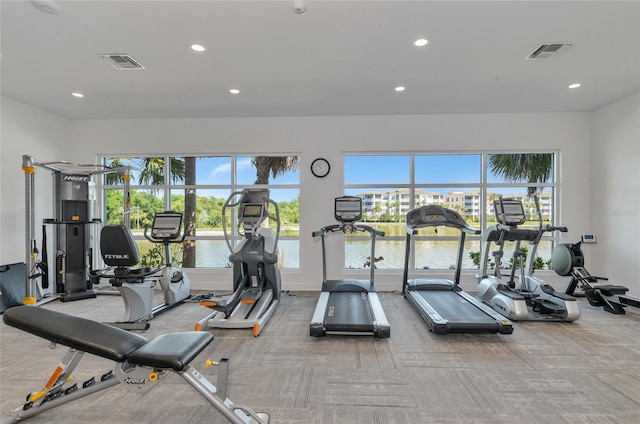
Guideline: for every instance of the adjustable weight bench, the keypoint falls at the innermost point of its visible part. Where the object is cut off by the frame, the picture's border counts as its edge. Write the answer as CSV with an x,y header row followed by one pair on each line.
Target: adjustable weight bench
x,y
138,361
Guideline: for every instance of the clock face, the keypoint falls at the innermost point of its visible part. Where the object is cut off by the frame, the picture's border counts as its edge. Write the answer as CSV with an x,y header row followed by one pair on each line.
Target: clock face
x,y
320,167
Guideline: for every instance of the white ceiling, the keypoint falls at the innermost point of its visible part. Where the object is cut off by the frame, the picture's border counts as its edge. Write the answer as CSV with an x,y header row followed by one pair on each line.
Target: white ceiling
x,y
337,58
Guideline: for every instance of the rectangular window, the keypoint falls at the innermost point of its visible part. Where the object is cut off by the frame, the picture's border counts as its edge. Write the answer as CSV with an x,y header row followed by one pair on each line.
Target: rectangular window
x,y
392,185
198,187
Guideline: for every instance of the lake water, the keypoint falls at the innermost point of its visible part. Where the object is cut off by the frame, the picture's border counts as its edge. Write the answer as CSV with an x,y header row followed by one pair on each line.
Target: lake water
x,y
429,254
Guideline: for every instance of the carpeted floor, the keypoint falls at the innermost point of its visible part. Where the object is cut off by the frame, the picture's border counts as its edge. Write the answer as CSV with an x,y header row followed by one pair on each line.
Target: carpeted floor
x,y
582,372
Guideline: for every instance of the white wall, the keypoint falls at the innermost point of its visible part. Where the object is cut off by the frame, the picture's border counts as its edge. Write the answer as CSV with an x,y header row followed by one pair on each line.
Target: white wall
x,y
615,179
330,137
26,130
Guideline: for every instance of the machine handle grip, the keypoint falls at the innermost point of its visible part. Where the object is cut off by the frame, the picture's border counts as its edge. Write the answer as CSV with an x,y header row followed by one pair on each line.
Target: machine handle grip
x,y
369,229
327,229
554,228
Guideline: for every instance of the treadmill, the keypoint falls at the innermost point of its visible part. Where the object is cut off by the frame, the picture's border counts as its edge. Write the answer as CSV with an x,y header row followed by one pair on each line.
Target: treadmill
x,y
348,306
443,304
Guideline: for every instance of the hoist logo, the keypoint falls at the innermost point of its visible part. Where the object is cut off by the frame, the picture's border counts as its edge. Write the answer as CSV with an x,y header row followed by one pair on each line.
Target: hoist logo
x,y
130,380
76,178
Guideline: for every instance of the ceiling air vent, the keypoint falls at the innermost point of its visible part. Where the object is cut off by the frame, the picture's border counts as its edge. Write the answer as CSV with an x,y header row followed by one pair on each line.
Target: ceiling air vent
x,y
547,51
122,62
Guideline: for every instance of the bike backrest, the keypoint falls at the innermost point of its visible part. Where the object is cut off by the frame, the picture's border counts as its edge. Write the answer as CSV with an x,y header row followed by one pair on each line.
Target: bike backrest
x,y
117,246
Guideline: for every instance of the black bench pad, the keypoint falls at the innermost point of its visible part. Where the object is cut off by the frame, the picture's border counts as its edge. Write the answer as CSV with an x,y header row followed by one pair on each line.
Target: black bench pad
x,y
79,333
173,350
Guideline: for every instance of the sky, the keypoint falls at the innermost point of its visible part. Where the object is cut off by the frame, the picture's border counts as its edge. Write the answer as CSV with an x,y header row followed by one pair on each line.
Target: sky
x,y
443,170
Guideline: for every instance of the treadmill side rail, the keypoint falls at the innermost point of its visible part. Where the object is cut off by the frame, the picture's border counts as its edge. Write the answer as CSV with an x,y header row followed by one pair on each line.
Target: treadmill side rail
x,y
505,326
381,325
316,327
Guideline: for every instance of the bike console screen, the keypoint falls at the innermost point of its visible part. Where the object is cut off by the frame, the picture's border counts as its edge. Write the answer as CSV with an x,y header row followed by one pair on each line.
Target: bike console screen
x,y
166,225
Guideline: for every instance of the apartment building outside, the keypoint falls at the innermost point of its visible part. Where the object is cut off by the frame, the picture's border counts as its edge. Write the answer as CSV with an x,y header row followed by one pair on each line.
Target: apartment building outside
x,y
388,205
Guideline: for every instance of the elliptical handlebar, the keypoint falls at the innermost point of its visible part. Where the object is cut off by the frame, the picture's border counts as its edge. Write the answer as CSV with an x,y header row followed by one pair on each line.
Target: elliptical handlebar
x,y
234,201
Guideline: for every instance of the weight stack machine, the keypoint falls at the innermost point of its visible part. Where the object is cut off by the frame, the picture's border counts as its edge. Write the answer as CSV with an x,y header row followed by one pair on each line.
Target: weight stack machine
x,y
75,230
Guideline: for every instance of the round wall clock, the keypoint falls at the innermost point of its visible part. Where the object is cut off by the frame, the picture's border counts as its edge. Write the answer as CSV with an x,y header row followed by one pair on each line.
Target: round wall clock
x,y
320,167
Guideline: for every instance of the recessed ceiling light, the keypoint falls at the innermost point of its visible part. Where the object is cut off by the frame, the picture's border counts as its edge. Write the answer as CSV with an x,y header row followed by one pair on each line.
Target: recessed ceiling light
x,y
198,47
421,42
399,88
47,6
79,95
234,91
576,85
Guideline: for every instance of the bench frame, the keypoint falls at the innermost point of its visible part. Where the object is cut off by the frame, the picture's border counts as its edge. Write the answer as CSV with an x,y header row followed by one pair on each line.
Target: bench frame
x,y
60,389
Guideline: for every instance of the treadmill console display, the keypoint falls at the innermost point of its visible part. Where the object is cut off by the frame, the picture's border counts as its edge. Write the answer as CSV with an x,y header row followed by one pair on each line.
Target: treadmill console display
x,y
348,208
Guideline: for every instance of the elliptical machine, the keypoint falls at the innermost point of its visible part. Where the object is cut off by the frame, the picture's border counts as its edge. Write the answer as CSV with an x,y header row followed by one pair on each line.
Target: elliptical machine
x,y
256,275
137,285
529,298
567,259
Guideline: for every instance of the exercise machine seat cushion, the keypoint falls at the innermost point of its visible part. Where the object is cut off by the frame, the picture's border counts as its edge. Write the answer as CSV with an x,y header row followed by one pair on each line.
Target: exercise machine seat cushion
x,y
117,246
79,333
173,350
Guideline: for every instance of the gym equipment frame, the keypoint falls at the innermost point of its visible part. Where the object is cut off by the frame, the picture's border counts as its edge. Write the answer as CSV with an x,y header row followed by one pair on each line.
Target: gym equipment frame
x,y
443,304
256,274
528,298
567,259
348,306
73,196
139,362
137,285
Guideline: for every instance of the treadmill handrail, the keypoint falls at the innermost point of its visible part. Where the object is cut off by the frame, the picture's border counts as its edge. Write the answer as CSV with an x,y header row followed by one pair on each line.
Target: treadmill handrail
x,y
356,228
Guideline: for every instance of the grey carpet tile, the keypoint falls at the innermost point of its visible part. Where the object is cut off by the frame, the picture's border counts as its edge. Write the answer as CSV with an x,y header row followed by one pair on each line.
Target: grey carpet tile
x,y
565,373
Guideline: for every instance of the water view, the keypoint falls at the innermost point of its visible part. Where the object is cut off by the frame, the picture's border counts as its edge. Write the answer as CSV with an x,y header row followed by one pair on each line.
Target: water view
x,y
429,254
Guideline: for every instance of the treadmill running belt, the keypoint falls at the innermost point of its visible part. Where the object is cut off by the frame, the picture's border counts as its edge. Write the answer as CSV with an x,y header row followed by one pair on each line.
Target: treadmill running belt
x,y
348,312
456,309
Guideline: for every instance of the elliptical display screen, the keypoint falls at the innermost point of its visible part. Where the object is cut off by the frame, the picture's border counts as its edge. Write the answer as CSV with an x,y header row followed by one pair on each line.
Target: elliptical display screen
x,y
251,214
513,213
251,211
348,208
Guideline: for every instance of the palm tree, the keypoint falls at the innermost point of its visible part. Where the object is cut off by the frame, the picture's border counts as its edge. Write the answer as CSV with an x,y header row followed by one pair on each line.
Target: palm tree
x,y
189,245
529,167
274,166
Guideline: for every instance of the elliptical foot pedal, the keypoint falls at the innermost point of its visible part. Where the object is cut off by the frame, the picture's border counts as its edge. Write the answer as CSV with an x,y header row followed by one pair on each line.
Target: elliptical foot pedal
x,y
545,307
251,295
